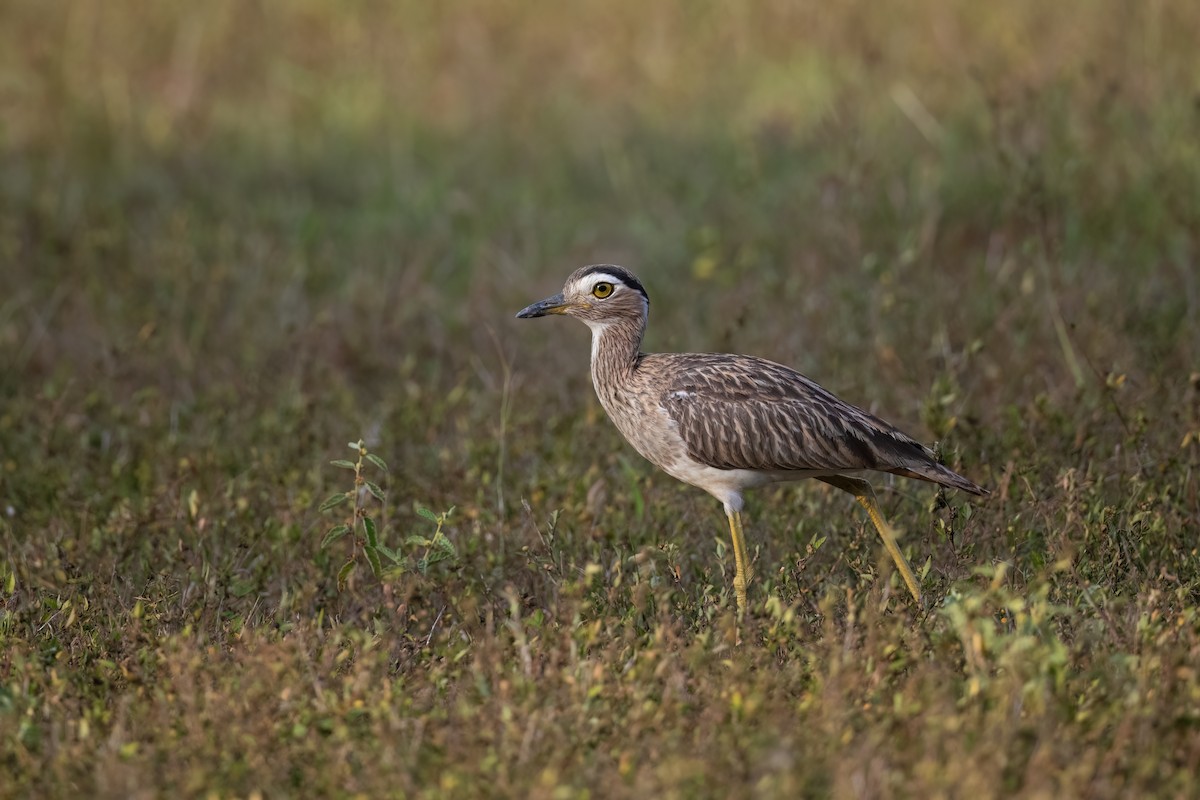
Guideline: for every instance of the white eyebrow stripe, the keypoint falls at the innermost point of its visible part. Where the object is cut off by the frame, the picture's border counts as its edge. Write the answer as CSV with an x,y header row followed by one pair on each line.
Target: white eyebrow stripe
x,y
603,277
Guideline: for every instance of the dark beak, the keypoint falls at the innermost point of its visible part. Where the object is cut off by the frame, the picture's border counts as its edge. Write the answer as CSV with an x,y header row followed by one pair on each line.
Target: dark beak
x,y
551,305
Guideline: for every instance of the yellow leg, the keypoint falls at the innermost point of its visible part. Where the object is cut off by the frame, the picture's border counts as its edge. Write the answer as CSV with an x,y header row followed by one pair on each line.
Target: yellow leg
x,y
865,495
742,578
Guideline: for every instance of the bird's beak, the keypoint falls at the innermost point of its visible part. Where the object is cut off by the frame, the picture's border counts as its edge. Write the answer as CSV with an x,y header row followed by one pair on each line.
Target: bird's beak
x,y
551,305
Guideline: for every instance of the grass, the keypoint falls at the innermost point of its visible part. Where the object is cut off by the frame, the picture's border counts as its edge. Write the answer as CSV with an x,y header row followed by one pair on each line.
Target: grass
x,y
235,237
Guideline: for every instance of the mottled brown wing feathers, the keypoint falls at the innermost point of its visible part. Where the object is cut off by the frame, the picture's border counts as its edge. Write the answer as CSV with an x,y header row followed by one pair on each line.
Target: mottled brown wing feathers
x,y
740,412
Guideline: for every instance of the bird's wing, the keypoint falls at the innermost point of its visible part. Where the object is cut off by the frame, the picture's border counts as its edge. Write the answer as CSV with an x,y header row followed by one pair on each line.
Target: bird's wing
x,y
740,412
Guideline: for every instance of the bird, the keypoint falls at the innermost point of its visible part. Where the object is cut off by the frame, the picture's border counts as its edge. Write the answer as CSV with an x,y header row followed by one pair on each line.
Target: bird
x,y
728,423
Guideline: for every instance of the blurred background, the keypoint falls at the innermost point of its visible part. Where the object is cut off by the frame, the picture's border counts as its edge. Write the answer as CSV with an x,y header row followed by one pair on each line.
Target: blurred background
x,y
318,193
235,235
335,207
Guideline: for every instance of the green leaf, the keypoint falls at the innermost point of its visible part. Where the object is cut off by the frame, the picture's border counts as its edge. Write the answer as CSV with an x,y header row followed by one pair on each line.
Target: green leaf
x,y
333,534
355,446
377,461
372,532
373,559
391,554
344,574
375,490
344,464
417,540
335,500
445,545
427,514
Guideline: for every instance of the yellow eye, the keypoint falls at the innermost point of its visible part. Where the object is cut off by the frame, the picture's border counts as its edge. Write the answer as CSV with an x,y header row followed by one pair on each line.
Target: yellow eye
x,y
602,290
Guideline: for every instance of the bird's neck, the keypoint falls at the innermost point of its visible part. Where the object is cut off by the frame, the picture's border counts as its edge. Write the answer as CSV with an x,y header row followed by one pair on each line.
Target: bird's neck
x,y
616,349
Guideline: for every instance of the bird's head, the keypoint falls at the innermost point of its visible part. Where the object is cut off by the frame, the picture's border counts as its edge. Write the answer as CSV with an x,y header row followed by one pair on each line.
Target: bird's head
x,y
598,295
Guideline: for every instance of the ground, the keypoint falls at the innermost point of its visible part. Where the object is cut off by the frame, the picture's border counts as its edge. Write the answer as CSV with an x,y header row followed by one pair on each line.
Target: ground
x,y
235,237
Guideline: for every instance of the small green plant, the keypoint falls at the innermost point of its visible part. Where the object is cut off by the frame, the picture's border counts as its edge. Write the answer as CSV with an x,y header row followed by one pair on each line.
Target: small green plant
x,y
366,540
437,547
365,532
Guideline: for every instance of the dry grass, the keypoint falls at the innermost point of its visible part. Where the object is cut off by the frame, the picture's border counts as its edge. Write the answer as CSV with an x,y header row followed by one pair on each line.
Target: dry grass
x,y
235,236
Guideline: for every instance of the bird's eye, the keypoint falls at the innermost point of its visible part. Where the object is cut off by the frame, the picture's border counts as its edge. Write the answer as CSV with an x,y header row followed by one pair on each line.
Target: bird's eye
x,y
602,290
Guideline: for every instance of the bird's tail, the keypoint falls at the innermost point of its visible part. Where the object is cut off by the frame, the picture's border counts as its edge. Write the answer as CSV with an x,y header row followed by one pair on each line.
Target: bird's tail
x,y
941,475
